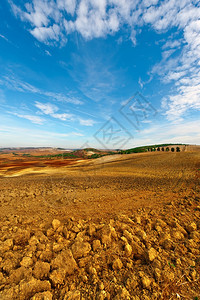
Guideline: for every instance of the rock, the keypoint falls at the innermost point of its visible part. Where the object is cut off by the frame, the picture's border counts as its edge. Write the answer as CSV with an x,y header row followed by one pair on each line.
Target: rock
x,y
46,255
157,274
177,235
195,235
191,227
9,294
92,271
9,264
194,275
26,262
80,249
91,229
6,245
152,254
131,282
146,282
33,241
167,244
142,234
106,234
55,224
96,244
101,295
57,277
122,294
21,237
117,264
43,296
128,250
65,261
137,250
101,285
18,274
72,295
57,247
28,289
41,269
138,219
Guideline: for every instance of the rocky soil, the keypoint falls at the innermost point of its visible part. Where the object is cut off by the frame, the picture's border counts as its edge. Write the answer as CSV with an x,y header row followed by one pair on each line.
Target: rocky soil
x,y
144,253
144,256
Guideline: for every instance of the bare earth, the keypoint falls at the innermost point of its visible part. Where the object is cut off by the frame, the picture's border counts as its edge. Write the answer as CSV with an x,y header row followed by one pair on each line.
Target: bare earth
x,y
118,227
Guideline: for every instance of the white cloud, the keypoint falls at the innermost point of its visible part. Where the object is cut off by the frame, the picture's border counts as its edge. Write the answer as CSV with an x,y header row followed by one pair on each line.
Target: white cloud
x,y
47,108
48,53
3,37
62,117
77,134
68,5
33,119
88,122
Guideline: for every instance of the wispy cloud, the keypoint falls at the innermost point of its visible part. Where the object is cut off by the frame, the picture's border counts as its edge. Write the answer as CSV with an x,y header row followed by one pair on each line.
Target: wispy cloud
x,y
63,117
15,84
52,110
88,122
46,108
33,119
3,37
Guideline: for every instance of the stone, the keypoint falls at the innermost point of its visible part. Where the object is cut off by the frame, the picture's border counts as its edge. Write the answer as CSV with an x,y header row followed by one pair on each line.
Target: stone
x,y
20,273
6,245
96,244
21,237
65,261
57,277
128,250
142,234
117,264
167,244
152,254
26,262
146,282
30,288
191,227
137,250
41,269
43,296
101,295
177,235
72,295
80,249
55,224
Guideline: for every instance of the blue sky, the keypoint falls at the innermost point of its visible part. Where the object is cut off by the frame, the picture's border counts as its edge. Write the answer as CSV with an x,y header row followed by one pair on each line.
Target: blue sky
x,y
99,73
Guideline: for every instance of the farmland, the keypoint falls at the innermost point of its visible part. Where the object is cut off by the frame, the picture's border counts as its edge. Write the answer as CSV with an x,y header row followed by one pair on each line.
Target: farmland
x,y
115,227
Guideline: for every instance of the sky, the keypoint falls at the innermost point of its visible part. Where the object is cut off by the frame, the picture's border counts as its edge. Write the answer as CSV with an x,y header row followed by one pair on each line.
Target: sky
x,y
107,74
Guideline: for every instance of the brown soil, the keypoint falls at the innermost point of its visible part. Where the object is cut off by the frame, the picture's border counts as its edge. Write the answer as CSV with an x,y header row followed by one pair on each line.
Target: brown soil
x,y
121,227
